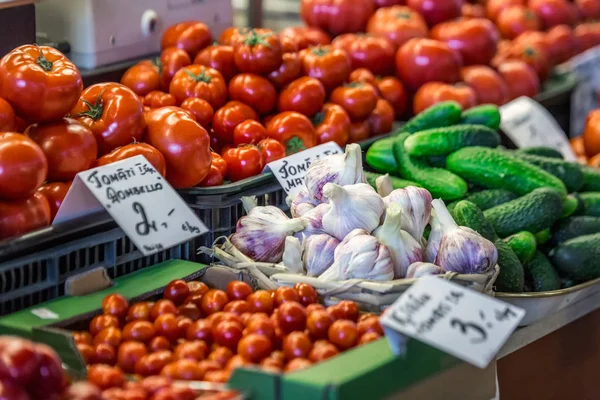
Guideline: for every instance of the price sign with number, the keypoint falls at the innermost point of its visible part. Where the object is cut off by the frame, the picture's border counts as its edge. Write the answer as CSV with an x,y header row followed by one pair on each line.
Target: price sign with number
x,y
585,96
454,319
139,199
291,170
528,124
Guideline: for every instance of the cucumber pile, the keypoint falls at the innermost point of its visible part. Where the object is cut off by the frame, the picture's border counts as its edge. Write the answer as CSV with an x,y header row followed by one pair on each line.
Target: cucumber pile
x,y
541,212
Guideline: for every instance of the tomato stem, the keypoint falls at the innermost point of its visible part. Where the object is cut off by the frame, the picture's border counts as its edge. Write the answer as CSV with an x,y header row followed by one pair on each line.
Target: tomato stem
x,y
156,61
403,15
95,110
354,84
294,145
319,51
43,61
254,39
199,78
318,118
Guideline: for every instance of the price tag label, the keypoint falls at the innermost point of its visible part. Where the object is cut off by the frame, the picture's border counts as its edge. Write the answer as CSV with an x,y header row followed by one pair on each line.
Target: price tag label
x,y
44,313
291,170
585,96
527,123
456,320
139,199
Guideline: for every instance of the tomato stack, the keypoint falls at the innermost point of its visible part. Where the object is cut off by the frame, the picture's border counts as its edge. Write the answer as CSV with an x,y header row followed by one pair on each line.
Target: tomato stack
x,y
197,333
587,146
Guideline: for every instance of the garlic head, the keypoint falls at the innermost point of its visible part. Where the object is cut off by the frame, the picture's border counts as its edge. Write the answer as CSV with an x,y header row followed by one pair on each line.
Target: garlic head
x,y
416,208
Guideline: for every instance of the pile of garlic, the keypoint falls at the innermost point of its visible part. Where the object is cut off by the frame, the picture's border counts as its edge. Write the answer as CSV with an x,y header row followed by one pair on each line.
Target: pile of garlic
x,y
341,228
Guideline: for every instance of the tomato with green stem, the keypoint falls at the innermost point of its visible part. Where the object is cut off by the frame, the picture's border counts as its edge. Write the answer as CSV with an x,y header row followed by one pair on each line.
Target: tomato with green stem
x,y
294,130
23,216
305,95
114,114
151,154
398,24
332,123
243,162
191,36
329,65
271,150
253,90
248,132
8,122
515,20
23,166
257,51
199,81
39,82
143,77
532,55
357,98
219,57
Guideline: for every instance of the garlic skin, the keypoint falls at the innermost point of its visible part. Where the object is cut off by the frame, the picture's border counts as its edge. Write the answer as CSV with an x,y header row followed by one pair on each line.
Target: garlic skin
x,y
352,207
462,249
319,253
416,208
360,256
420,269
405,250
342,169
314,222
302,203
435,237
261,234
384,185
292,255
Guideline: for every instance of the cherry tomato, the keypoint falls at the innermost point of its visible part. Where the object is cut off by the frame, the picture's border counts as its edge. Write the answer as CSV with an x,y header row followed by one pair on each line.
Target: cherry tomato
x,y
212,301
370,324
237,307
87,352
254,347
82,337
343,334
296,345
189,310
228,334
104,353
195,350
349,309
39,82
475,39
271,150
176,291
293,130
435,92
305,95
162,306
289,70
195,286
219,57
359,131
305,36
261,326
381,119
159,343
392,90
398,24
562,43
114,114
143,77
337,16
248,132
488,85
368,338
220,355
306,293
105,377
7,117
591,133
321,353
362,75
238,290
514,20
166,325
260,302
172,59
587,35
100,322
141,331
257,51
243,162
588,9
313,307
55,194
472,10
116,305
191,36
553,12
129,353
253,90
151,154
332,123
201,82
284,294
493,8
520,79
157,99
375,53
152,364
200,330
291,316
228,117
329,65
437,11
318,323
23,166
358,99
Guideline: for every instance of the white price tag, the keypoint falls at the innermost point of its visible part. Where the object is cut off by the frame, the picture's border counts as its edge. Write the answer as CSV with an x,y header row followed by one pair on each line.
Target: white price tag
x,y
585,96
454,319
44,313
527,123
291,170
139,199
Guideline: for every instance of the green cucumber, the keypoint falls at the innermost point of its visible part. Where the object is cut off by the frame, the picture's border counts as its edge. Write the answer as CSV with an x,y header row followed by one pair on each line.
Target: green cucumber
x,y
442,114
397,183
533,212
570,205
542,151
497,169
578,258
573,227
380,156
488,198
592,178
441,183
485,114
443,141
541,274
468,214
523,244
568,172
591,203
436,161
543,236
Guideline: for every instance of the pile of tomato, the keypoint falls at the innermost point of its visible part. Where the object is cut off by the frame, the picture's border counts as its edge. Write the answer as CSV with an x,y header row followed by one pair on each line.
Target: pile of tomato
x,y
197,333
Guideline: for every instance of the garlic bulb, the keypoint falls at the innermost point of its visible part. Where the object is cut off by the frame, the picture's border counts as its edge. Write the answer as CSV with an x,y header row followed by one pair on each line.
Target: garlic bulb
x,y
405,250
435,237
314,221
360,256
352,207
292,255
261,234
420,269
462,250
318,253
302,203
416,208
383,184
342,169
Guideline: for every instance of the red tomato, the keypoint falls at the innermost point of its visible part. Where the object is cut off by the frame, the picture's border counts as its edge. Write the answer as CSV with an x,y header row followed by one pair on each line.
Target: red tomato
x,y
381,119
218,57
152,364
105,377
199,81
255,347
472,10
553,12
243,162
329,65
151,154
348,310
515,20
284,294
23,216
176,291
587,35
23,167
139,311
228,334
288,45
271,150
370,324
359,131
493,8
362,75
143,77
257,51
129,353
297,364
562,43
140,331
162,306
248,132
372,52
387,3
214,300
253,90
343,334
588,9
260,301
392,90
201,109
398,24
100,322
183,143
297,345
305,95
172,59
114,114
69,147
435,92
488,85
305,36
318,323
293,130
115,305
476,39
39,82
221,165
337,16
533,55
7,117
228,117
436,11
290,69
424,60
368,338
358,99
321,353
291,315
191,36
591,133
238,290
308,294
332,123
166,326
520,79
157,99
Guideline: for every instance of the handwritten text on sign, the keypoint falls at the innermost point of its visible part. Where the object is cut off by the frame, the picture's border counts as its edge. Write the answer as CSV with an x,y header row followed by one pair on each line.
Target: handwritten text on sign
x,y
291,170
456,320
528,124
139,199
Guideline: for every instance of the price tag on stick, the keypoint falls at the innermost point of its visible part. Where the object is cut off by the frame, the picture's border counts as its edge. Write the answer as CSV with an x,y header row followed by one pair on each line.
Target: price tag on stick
x,y
291,170
454,319
139,199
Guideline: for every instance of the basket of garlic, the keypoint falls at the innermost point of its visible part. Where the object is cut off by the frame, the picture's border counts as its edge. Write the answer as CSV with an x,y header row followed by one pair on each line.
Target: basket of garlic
x,y
352,242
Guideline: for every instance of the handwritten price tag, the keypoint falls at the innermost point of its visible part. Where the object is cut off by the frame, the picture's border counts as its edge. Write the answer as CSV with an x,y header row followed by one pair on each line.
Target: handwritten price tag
x,y
528,124
139,199
585,96
291,170
456,320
